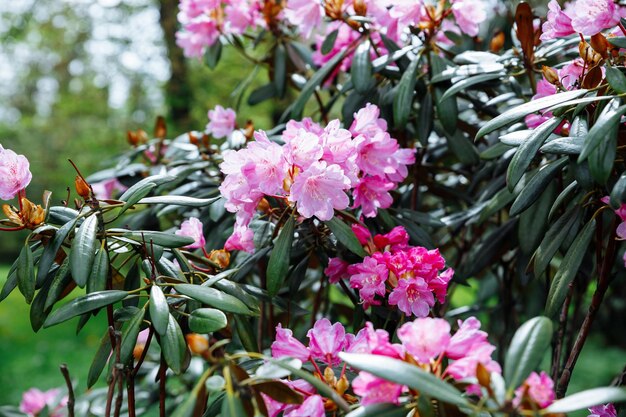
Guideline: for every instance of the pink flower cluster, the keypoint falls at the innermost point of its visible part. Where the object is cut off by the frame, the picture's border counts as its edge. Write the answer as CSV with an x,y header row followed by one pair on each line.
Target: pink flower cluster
x,y
222,122
425,341
621,228
606,410
588,17
203,21
314,171
193,228
412,275
538,389
14,173
34,401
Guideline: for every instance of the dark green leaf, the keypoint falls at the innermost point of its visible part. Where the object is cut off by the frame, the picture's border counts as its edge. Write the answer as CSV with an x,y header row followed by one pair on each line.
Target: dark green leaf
x,y
247,335
568,269
616,79
618,41
554,238
527,150
567,146
425,119
329,42
528,346
588,398
607,122
280,69
38,312
213,298
403,101
618,194
207,320
361,69
463,148
562,198
601,159
232,406
179,200
10,283
280,258
83,250
99,360
98,278
213,55
262,93
403,373
519,112
26,273
468,82
50,252
537,184
159,310
173,346
129,335
84,304
533,221
165,239
346,236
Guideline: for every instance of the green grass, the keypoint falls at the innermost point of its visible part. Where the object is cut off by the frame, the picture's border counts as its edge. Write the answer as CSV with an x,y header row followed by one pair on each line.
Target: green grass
x,y
31,359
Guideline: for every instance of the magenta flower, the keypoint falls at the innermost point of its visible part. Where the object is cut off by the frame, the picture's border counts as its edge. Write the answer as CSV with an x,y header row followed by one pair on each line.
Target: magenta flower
x,y
425,338
313,406
326,341
465,367
374,390
593,16
606,410
221,122
336,270
14,173
374,341
319,190
621,213
558,24
397,239
468,335
192,227
286,345
538,388
469,14
34,401
306,15
371,194
412,296
362,233
369,278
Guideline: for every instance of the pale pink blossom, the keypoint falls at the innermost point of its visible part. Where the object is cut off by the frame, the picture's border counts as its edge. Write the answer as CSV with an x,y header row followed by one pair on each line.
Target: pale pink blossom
x,y
319,190
266,167
558,24
367,121
336,270
14,173
104,190
409,12
221,121
606,410
465,367
198,34
326,340
313,406
242,239
593,16
306,15
469,14
373,341
374,390
425,338
468,335
371,194
192,227
376,154
303,149
369,278
538,388
34,401
286,345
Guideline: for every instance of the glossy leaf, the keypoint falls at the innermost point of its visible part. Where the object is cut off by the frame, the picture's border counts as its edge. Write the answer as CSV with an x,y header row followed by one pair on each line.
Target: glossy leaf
x,y
329,42
173,346
26,273
83,250
213,54
586,399
346,236
536,185
379,410
618,194
361,69
100,359
167,240
616,79
280,258
607,121
554,238
84,304
159,310
129,335
468,82
528,346
403,101
568,269
213,298
179,200
602,158
207,320
280,69
52,248
98,277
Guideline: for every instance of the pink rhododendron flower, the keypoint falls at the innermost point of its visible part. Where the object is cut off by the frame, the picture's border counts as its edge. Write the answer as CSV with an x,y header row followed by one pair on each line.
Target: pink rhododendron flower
x,y
104,190
425,338
306,15
221,121
397,239
593,16
198,35
313,406
242,239
336,270
326,340
14,173
465,367
412,296
621,213
367,121
319,190
371,194
369,278
538,388
606,410
362,233
558,24
374,390
468,335
469,14
373,341
303,149
34,401
286,345
409,12
192,227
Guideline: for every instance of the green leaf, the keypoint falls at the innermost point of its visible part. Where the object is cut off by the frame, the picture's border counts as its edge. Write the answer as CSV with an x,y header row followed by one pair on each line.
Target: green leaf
x,y
280,69
586,399
537,184
207,320
278,391
98,278
601,159
425,119
616,79
129,335
346,236
213,298
10,283
379,410
618,41
99,360
26,273
463,148
618,194
519,112
141,189
173,346
468,82
567,146
568,269
280,258
265,92
563,197
528,346
607,121
403,373
159,310
403,100
84,304
232,406
83,250
554,238
247,335
329,42
38,312
165,239
532,222
213,55
50,252
179,200
527,150
61,281
361,70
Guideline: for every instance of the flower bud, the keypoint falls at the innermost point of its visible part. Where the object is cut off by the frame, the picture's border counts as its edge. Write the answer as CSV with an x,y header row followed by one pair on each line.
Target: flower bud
x,y
198,344
220,257
550,75
82,188
160,129
591,57
497,42
600,45
329,376
483,376
360,8
342,385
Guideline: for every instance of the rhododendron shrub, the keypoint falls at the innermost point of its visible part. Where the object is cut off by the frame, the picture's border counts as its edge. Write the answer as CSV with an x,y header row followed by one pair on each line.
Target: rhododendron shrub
x,y
433,227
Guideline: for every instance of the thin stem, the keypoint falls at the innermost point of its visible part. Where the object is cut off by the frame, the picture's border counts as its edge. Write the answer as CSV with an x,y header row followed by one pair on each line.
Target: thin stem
x,y
70,390
162,369
558,344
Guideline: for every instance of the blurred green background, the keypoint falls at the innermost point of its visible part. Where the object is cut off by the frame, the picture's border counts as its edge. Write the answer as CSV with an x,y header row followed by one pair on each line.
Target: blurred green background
x,y
75,75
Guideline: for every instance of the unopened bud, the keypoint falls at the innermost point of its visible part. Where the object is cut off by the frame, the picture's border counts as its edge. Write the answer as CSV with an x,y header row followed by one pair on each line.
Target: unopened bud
x,y
483,376
550,75
329,376
342,385
591,57
160,129
497,42
198,344
193,139
600,45
220,258
82,188
360,8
